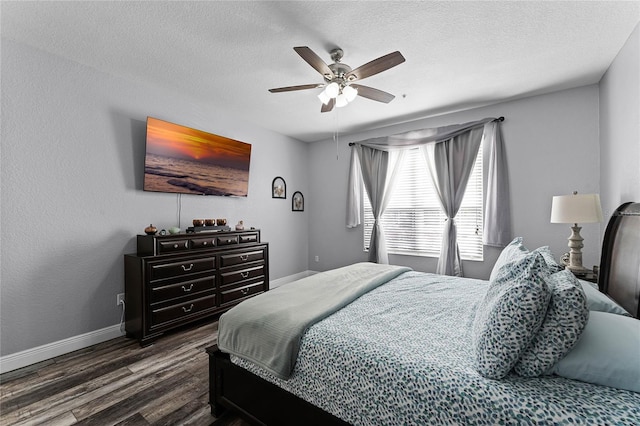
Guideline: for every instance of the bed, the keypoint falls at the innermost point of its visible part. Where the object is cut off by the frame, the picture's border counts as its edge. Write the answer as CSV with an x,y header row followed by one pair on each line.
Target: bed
x,y
420,348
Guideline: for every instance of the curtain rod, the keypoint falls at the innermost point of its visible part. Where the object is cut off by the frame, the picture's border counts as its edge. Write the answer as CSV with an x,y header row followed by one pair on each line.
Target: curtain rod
x,y
497,119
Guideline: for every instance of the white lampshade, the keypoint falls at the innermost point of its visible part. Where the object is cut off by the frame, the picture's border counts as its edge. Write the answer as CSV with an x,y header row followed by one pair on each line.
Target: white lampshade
x,y
576,208
332,90
341,100
350,93
324,97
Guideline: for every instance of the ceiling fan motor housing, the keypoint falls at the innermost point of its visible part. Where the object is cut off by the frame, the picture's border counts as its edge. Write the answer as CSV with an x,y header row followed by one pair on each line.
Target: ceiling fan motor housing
x,y
339,71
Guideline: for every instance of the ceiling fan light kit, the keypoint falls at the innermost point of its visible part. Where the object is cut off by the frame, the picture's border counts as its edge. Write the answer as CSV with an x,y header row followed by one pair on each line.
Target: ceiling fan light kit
x,y
338,88
341,93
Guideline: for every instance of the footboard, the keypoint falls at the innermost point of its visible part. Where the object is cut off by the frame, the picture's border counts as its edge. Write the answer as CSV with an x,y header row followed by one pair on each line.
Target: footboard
x,y
257,400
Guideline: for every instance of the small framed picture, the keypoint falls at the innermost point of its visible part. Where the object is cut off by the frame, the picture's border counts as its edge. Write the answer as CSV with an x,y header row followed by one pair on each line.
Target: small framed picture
x,y
297,202
278,188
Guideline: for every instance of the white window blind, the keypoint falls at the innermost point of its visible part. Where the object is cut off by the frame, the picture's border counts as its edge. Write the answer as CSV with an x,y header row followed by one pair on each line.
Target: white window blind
x,y
413,221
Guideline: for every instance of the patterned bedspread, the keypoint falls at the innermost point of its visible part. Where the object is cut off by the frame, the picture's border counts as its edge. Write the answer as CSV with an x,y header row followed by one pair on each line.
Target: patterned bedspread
x,y
401,355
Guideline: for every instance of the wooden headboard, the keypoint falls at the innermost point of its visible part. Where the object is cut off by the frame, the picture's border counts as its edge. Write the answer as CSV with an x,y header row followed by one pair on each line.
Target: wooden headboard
x,y
620,262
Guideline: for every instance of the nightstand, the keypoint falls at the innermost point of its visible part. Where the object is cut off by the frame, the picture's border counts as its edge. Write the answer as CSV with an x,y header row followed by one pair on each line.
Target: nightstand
x,y
589,275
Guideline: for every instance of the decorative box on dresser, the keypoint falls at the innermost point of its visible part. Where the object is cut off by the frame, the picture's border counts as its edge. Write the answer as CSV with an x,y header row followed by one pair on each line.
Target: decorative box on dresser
x,y
177,279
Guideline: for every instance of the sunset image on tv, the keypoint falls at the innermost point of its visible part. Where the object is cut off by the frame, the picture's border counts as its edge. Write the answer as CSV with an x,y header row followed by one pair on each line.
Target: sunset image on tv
x,y
185,160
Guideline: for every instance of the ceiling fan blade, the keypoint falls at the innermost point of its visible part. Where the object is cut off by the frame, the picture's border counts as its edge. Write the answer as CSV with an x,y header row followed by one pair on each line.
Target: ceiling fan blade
x,y
315,61
292,88
374,94
376,66
328,107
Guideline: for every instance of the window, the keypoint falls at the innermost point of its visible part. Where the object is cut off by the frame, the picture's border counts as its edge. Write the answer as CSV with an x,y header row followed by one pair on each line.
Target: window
x,y
413,221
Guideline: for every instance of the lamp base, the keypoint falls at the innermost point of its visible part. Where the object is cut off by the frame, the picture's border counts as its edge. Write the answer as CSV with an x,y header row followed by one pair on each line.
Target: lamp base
x,y
575,251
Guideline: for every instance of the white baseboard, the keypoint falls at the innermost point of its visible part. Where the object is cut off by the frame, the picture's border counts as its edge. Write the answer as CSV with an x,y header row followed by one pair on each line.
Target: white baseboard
x,y
51,350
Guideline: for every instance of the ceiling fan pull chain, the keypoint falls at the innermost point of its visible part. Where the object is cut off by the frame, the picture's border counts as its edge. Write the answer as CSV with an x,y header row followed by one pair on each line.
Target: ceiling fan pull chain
x,y
335,135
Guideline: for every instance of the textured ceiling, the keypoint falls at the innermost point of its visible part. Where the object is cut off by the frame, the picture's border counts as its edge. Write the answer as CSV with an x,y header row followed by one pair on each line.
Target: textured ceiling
x,y
458,54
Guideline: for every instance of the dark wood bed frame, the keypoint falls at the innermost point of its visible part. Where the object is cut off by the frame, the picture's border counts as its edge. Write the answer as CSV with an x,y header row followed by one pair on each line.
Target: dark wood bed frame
x,y
263,403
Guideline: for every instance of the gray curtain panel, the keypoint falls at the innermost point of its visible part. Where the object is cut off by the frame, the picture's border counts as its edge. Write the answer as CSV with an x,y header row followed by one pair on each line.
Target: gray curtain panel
x,y
378,170
497,211
450,164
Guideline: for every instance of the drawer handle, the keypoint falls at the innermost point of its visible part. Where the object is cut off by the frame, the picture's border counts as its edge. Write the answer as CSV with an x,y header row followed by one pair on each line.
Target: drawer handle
x,y
187,290
244,257
229,241
204,243
187,310
244,274
244,291
175,246
185,269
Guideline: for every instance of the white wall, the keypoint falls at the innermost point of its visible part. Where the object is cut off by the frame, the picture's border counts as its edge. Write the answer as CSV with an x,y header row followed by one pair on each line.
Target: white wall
x,y
620,127
72,153
72,201
552,148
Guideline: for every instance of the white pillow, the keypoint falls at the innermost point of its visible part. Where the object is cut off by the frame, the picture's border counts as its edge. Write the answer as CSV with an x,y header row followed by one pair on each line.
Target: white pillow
x,y
608,353
598,301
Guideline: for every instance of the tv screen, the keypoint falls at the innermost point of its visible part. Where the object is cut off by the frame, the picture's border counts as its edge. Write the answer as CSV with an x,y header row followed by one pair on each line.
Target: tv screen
x,y
180,159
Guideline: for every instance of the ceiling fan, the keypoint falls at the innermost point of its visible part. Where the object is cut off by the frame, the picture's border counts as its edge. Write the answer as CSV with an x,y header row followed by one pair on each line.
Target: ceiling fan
x,y
340,87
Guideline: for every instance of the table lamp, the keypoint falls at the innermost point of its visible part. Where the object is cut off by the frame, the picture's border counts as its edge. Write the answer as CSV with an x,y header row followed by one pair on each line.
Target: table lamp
x,y
576,208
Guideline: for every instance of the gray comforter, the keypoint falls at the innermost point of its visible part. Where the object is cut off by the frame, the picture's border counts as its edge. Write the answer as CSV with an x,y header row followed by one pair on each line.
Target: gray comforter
x,y
402,355
267,329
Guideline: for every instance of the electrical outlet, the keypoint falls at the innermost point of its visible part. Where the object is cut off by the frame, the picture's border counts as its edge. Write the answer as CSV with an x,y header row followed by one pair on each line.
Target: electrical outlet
x,y
119,299
317,258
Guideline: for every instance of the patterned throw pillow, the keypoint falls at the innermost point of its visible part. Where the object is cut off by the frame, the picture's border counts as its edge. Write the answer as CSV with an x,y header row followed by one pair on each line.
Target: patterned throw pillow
x,y
510,314
515,250
549,259
561,329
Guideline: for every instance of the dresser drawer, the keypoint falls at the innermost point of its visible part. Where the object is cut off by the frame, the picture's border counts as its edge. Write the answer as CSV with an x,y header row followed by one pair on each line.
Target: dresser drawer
x,y
172,246
203,243
227,240
232,277
249,238
239,258
182,289
182,310
233,294
176,269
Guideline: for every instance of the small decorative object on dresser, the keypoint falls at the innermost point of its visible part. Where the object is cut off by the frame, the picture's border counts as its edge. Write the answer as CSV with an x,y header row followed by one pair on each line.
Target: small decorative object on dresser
x,y
198,222
240,226
297,202
278,188
174,280
150,230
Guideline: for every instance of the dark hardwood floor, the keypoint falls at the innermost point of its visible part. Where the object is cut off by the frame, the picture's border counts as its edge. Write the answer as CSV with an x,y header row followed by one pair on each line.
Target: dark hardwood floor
x,y
118,383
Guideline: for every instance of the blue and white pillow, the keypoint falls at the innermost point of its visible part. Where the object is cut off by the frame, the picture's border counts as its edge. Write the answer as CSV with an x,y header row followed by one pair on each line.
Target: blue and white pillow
x,y
514,251
549,259
566,318
511,312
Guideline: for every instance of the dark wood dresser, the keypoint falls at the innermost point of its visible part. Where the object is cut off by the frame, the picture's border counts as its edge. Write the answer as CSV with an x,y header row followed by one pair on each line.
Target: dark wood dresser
x,y
176,279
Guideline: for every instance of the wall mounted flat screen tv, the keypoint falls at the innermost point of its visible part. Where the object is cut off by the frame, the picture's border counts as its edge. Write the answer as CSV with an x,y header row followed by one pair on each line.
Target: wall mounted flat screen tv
x,y
183,160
